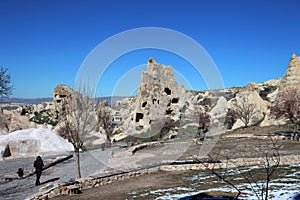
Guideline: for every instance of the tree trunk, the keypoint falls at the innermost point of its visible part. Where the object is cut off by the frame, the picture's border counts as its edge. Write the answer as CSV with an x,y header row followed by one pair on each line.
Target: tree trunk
x,y
78,173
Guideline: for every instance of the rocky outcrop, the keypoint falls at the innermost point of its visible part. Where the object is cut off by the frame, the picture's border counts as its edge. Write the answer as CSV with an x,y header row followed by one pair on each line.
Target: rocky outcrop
x,y
160,100
12,121
3,120
43,113
61,92
292,75
218,115
251,96
33,115
159,97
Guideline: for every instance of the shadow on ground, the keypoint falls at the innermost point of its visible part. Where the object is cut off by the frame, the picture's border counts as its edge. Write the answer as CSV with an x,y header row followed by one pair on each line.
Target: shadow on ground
x,y
50,180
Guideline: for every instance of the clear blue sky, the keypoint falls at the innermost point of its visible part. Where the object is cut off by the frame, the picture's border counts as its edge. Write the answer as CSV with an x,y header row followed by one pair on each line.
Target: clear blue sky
x,y
44,42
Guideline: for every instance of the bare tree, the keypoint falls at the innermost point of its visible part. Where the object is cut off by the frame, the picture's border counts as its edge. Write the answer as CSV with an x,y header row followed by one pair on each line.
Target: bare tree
x,y
287,105
168,126
222,175
5,86
77,120
270,164
243,110
259,181
203,120
230,118
104,118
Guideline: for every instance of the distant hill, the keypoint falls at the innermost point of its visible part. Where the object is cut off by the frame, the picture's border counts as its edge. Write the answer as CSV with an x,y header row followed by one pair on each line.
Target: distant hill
x,y
111,100
26,100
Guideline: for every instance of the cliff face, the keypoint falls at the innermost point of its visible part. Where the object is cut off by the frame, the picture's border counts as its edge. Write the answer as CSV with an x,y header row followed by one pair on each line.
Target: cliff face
x,y
292,75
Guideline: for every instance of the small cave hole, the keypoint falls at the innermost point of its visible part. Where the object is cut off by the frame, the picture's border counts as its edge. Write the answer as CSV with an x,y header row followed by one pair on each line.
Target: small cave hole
x,y
6,152
144,104
169,111
139,116
169,103
175,100
23,112
167,91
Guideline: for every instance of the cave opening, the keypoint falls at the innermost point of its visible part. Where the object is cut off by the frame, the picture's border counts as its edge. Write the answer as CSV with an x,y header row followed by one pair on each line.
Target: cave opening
x,y
167,91
169,111
144,104
175,100
139,116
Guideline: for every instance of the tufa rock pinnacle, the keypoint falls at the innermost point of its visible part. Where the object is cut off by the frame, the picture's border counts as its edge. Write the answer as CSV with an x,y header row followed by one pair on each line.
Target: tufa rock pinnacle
x,y
292,75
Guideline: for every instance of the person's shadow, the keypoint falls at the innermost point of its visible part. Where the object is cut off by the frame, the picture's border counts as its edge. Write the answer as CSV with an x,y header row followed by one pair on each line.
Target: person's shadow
x,y
50,180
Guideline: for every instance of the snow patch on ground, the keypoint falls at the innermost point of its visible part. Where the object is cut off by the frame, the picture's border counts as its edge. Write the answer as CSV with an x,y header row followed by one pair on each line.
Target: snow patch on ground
x,y
48,140
280,188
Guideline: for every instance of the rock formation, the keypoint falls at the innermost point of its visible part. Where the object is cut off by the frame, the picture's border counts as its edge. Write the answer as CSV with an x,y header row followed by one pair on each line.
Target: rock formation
x,y
43,113
30,116
11,121
159,97
61,92
3,120
292,75
160,100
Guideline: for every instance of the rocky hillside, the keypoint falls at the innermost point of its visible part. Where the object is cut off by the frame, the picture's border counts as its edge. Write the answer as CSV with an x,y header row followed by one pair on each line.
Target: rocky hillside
x,y
160,99
161,102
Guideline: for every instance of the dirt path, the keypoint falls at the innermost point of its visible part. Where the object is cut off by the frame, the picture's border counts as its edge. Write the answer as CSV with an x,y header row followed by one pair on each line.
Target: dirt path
x,y
60,173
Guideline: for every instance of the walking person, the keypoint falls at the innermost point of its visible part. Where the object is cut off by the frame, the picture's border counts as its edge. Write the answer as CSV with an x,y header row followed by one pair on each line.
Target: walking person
x,y
38,164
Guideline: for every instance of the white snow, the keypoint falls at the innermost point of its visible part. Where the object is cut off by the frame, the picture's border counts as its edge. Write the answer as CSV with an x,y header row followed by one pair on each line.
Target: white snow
x,y
280,188
49,141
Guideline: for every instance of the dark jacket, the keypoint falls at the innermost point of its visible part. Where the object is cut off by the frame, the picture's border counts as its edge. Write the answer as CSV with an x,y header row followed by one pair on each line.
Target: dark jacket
x,y
38,164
